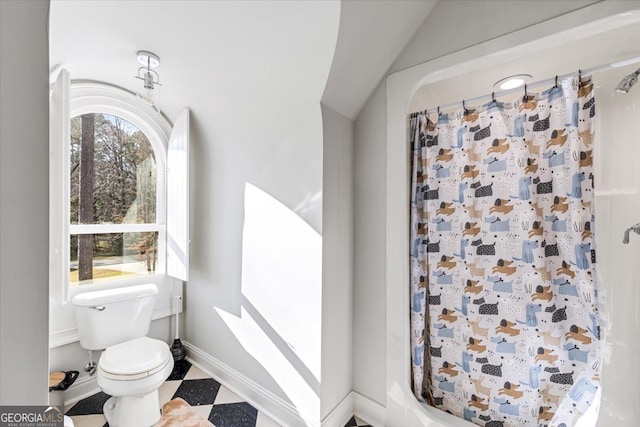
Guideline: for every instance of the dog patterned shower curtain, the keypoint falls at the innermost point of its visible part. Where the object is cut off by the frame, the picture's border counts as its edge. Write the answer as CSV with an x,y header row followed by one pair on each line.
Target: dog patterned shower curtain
x,y
505,326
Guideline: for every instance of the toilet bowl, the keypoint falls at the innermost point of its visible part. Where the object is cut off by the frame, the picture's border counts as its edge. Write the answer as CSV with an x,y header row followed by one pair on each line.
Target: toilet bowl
x,y
132,372
132,366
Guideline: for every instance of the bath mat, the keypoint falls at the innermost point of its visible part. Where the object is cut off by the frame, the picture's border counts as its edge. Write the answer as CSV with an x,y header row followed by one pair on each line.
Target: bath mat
x,y
178,413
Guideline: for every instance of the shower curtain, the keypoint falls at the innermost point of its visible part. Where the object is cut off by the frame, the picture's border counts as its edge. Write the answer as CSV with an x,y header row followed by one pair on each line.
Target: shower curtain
x,y
505,324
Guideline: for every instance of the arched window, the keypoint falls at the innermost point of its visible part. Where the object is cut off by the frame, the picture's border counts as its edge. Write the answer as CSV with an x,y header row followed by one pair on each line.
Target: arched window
x,y
114,230
109,189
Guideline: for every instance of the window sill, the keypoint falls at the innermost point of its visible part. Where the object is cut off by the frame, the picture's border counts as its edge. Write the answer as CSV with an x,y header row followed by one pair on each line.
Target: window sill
x,y
156,278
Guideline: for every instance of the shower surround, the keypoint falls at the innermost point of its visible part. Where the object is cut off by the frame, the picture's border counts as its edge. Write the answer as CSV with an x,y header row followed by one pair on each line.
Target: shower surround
x,y
616,163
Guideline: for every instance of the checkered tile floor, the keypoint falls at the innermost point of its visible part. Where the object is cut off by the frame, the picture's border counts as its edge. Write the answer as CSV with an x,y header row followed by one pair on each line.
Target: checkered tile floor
x,y
207,396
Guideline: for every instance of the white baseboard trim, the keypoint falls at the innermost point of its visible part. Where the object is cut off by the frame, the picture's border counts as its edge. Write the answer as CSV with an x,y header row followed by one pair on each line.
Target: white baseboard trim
x,y
341,414
65,337
83,387
368,410
265,401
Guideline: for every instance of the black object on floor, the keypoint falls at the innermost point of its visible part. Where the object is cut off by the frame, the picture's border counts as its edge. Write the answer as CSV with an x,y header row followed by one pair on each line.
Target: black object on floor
x,y
178,350
69,378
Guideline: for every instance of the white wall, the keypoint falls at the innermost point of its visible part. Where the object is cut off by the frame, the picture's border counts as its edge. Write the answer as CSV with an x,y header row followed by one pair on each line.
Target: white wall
x,y
337,259
617,202
450,27
24,186
254,303
369,249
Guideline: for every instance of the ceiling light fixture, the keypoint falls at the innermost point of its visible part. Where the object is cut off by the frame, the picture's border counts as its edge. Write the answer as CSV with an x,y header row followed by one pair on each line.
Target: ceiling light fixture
x,y
513,82
150,77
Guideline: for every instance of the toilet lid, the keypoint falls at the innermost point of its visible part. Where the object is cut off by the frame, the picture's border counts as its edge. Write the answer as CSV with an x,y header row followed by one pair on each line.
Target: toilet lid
x,y
136,358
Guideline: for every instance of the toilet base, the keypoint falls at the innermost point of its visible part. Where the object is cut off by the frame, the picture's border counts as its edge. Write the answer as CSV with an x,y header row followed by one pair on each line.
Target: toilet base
x,y
133,411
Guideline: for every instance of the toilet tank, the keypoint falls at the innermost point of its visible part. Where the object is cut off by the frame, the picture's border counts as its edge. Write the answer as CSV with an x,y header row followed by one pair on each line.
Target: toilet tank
x,y
108,317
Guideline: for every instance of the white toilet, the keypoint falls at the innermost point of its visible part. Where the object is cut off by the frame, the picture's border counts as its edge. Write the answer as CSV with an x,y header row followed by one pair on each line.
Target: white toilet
x,y
133,366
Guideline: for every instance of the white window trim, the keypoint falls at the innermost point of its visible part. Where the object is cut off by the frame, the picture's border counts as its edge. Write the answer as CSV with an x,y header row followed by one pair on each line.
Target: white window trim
x,y
113,228
87,97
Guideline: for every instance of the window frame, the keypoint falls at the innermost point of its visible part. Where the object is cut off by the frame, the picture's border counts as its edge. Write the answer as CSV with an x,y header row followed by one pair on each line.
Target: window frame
x,y
92,97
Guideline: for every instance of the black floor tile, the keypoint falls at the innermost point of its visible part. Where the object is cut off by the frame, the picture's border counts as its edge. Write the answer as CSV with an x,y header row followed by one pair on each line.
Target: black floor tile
x,y
352,422
90,405
180,369
234,415
198,392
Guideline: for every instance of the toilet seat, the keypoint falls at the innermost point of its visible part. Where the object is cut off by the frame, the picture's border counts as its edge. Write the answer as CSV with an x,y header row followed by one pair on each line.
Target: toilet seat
x,y
135,359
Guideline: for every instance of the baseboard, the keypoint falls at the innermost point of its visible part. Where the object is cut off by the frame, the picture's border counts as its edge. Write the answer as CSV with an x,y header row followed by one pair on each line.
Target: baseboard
x,y
65,337
83,387
341,414
368,410
264,400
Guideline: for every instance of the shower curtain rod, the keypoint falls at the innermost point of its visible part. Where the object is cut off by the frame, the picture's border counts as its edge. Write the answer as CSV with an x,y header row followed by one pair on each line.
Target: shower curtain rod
x,y
493,95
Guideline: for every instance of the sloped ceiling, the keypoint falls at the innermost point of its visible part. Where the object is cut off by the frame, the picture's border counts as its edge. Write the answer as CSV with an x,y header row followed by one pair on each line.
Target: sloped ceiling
x,y
225,48
372,34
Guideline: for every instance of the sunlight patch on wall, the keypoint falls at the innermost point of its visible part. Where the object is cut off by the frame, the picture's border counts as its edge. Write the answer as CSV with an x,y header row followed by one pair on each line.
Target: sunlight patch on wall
x,y
255,341
281,297
282,273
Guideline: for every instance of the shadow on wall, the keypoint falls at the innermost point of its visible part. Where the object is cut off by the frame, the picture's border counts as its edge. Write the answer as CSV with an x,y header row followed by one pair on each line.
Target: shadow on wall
x,y
281,298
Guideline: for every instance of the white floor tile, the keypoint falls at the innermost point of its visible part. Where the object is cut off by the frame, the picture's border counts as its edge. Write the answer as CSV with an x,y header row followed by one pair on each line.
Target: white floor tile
x,y
97,420
195,374
227,396
68,407
203,410
167,390
264,421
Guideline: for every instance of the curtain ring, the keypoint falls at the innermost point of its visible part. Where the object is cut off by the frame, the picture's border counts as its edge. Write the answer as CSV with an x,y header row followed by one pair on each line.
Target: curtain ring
x,y
464,107
493,96
525,97
438,111
556,85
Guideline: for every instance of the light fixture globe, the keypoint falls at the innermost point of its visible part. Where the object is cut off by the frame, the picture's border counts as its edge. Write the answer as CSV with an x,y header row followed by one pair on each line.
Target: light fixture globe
x,y
513,81
150,77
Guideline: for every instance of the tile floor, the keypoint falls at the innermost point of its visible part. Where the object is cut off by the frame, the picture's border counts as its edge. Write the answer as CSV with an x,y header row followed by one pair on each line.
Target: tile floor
x,y
355,421
207,396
